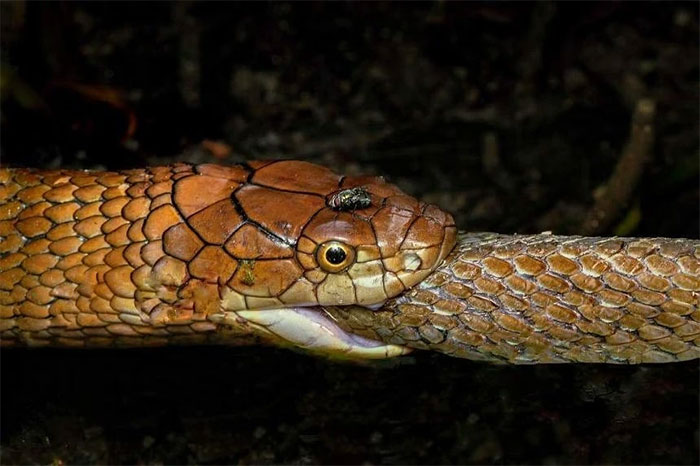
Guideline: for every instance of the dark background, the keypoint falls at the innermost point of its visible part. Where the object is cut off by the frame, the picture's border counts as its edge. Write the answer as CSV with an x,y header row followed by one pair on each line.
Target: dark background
x,y
511,116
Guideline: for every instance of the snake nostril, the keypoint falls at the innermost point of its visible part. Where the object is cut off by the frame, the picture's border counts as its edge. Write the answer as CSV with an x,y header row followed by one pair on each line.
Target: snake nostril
x,y
411,262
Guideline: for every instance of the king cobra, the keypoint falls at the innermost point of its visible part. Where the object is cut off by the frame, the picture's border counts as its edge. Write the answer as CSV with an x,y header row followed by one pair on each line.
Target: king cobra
x,y
289,253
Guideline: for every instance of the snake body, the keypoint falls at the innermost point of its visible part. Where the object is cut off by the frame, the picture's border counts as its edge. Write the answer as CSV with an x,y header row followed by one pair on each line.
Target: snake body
x,y
527,299
289,253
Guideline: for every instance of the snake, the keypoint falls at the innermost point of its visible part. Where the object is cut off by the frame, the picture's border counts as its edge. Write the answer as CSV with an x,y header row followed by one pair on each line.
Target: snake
x,y
289,253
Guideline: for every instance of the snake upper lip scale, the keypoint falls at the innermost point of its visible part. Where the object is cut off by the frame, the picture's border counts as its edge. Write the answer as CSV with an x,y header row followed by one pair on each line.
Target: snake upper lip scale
x,y
289,253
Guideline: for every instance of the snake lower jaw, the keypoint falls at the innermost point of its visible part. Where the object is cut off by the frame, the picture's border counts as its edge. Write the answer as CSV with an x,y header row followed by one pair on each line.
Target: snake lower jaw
x,y
314,330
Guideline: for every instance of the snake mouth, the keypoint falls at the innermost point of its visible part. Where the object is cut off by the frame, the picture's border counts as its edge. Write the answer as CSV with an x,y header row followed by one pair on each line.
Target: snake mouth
x,y
313,329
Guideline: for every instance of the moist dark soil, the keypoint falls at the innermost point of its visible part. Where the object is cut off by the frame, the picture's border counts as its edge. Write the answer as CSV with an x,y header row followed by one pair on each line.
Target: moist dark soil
x,y
513,116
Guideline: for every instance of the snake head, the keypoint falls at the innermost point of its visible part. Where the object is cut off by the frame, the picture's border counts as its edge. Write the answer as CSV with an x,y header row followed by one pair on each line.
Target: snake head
x,y
372,242
293,236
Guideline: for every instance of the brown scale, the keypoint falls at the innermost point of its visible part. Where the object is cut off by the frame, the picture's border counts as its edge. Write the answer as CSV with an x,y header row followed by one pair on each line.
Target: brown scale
x,y
153,256
547,299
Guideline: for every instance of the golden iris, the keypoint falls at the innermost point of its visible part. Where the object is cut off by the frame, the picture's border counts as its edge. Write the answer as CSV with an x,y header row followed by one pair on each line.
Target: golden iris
x,y
334,256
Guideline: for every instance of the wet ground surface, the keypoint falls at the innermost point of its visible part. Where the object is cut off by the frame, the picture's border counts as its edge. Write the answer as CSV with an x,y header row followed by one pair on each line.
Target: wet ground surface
x,y
511,116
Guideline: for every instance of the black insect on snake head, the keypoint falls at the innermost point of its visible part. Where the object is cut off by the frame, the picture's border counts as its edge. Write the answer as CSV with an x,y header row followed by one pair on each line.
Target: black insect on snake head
x,y
350,199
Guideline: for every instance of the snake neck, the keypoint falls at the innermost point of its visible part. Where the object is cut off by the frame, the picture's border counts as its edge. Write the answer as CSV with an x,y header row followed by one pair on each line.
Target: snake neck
x,y
83,264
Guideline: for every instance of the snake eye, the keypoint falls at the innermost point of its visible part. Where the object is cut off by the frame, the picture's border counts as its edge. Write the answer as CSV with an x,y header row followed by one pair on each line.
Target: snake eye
x,y
335,256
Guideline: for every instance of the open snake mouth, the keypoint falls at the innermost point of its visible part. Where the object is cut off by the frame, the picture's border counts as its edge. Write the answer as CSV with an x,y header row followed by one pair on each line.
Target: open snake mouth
x,y
313,329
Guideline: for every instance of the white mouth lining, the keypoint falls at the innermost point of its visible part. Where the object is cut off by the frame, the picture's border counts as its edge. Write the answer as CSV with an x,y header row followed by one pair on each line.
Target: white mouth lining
x,y
312,329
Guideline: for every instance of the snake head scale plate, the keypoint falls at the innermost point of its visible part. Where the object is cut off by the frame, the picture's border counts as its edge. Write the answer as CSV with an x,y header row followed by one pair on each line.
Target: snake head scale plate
x,y
275,242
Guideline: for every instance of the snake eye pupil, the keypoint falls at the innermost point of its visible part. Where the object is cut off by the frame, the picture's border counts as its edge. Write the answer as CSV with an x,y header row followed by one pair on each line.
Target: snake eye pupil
x,y
335,255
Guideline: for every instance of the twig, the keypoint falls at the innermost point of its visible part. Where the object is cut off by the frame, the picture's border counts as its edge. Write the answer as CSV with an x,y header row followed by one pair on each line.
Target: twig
x,y
530,62
628,171
491,161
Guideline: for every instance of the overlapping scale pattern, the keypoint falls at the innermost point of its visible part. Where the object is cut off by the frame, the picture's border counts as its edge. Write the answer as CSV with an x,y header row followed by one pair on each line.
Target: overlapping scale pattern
x,y
82,260
546,299
160,255
168,254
